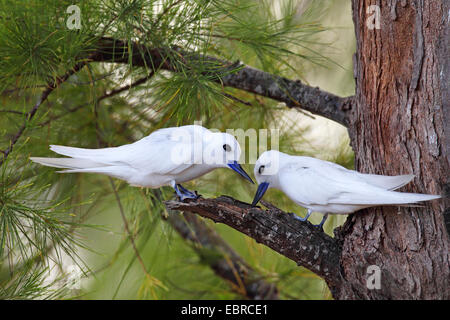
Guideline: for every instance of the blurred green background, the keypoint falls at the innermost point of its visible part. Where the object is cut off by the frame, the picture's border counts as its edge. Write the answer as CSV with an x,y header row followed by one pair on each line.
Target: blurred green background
x,y
35,46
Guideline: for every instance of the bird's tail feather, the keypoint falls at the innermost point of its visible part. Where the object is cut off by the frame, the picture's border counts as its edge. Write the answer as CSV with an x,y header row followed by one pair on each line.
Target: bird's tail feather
x,y
92,154
67,163
74,165
411,198
113,171
386,198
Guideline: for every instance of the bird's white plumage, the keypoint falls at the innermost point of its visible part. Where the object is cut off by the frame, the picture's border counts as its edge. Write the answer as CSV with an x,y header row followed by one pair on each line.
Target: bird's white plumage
x,y
164,157
326,187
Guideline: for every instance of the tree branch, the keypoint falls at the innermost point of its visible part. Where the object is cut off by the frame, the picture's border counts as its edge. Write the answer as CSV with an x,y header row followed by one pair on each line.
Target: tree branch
x,y
294,94
227,264
298,241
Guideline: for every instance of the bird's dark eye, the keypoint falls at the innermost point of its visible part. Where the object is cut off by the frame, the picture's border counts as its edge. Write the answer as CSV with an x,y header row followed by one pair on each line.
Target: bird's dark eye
x,y
261,169
226,147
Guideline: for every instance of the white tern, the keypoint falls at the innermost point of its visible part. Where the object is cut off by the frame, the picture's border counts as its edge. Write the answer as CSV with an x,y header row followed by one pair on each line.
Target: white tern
x,y
328,188
167,157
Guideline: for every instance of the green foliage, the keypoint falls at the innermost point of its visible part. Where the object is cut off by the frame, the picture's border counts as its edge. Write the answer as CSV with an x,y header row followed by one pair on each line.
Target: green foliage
x,y
30,283
35,45
47,219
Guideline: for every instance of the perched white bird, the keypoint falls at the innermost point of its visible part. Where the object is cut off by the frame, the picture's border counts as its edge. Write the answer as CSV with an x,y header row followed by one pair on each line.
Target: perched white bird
x,y
167,157
325,187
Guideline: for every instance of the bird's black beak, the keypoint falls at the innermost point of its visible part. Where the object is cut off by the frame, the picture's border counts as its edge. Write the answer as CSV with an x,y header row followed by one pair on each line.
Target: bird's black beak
x,y
237,167
262,188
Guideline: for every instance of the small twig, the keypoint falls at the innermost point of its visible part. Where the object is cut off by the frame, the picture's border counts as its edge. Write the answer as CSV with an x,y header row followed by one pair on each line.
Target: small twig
x,y
45,86
13,111
127,87
85,83
167,9
237,99
127,228
24,88
101,98
133,244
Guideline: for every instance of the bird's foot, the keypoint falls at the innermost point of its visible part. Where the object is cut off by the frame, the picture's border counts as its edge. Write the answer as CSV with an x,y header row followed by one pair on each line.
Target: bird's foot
x,y
183,197
300,218
296,217
320,225
184,193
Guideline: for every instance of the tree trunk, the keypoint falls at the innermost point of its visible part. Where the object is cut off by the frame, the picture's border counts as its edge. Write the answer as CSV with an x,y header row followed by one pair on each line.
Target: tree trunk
x,y
398,126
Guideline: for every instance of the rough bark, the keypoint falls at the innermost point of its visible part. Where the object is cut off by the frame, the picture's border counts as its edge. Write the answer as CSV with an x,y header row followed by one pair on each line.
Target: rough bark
x,y
397,128
226,263
299,241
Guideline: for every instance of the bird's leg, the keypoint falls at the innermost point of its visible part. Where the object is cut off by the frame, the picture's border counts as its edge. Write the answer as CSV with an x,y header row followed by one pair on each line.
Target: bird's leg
x,y
302,219
187,192
320,225
182,192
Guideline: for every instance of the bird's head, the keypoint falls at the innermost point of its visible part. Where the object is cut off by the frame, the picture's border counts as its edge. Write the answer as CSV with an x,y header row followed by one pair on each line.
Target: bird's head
x,y
266,173
223,150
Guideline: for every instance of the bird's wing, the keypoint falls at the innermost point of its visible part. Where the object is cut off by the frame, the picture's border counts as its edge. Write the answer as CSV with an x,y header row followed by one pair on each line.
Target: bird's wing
x,y
306,186
377,180
387,182
324,184
165,151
